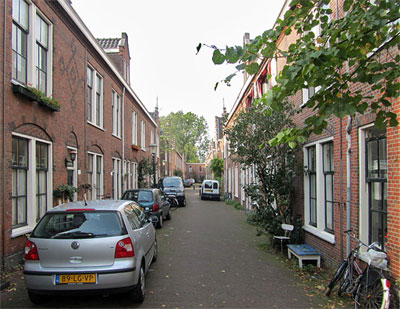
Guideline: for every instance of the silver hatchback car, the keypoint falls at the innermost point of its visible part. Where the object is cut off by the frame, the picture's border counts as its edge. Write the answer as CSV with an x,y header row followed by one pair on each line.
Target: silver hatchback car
x,y
95,246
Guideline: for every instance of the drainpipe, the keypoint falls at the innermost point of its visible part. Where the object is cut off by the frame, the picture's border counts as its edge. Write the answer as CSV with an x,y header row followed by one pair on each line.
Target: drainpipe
x,y
348,194
123,136
3,167
341,171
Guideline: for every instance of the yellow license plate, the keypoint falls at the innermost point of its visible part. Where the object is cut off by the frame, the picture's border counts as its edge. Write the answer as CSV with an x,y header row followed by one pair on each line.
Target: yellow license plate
x,y
208,190
76,278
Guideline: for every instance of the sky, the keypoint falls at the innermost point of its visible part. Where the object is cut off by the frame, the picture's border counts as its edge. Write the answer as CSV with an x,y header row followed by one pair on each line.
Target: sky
x,y
163,36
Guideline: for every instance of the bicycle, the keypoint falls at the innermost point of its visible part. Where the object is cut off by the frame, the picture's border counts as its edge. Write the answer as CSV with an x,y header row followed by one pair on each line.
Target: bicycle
x,y
368,285
173,201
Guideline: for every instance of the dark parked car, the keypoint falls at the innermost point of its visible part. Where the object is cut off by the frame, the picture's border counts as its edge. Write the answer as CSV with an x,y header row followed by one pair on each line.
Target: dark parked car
x,y
174,185
90,247
152,202
187,183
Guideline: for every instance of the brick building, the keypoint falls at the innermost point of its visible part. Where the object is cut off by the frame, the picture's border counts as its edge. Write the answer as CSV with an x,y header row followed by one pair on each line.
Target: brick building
x,y
94,138
197,171
320,195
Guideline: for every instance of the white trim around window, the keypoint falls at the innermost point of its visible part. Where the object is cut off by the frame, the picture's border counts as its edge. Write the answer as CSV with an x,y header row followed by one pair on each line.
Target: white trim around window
x,y
134,128
95,101
116,114
36,32
143,135
319,228
31,183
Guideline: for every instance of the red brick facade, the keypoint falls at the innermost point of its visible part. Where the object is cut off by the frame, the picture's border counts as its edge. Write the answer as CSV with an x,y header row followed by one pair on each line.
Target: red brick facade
x,y
332,243
73,51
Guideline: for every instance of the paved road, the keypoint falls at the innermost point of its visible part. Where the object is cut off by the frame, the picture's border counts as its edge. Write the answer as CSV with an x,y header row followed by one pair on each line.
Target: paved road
x,y
208,258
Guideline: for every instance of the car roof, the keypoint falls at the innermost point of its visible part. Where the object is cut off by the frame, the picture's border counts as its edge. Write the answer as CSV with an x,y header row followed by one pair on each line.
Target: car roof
x,y
210,180
95,204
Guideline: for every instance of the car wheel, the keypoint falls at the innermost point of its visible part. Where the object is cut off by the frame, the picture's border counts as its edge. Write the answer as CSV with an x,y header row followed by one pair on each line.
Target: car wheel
x,y
183,203
155,255
160,221
138,293
36,298
168,217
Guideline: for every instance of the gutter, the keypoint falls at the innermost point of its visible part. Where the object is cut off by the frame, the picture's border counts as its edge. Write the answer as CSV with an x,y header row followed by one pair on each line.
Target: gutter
x,y
123,136
3,153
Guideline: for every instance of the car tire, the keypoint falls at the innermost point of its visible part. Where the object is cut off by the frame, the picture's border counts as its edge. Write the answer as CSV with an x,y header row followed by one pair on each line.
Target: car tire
x,y
37,299
160,221
155,255
183,204
137,295
168,216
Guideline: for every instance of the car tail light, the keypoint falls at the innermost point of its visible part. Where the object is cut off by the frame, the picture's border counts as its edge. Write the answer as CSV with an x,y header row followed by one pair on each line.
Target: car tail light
x,y
388,284
155,207
31,252
124,248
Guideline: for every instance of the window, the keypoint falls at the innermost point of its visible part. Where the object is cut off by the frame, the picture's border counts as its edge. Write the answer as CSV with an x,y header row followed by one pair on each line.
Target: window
x,y
274,71
376,157
143,135
134,128
31,47
116,114
319,190
328,186
72,172
42,168
32,190
19,181
236,181
312,185
20,32
95,176
95,97
116,178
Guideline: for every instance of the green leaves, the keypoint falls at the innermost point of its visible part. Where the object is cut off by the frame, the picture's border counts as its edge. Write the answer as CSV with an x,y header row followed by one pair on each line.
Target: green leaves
x,y
252,68
218,57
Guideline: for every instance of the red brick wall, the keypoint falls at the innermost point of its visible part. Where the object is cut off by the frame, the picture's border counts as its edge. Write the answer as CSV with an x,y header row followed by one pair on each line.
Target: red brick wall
x,y
393,141
71,56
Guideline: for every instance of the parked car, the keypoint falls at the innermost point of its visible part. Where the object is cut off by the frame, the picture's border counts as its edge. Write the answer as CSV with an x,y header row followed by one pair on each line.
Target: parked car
x,y
187,183
210,190
174,185
153,203
97,247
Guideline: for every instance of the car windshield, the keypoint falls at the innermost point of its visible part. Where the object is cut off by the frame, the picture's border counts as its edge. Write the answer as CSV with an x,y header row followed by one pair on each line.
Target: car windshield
x,y
138,196
77,225
172,182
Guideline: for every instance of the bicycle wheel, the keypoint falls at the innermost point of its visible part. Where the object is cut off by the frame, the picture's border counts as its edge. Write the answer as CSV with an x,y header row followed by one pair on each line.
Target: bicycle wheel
x,y
174,204
373,296
338,276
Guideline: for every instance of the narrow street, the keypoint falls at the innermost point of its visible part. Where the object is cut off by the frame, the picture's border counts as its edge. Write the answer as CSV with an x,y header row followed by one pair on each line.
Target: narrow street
x,y
208,258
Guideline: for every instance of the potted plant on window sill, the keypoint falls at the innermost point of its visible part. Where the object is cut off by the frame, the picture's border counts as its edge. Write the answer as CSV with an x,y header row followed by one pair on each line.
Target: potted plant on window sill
x,y
66,192
34,94
135,147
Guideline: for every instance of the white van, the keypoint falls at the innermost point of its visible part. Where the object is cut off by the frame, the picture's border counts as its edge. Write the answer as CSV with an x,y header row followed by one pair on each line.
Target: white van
x,y
210,190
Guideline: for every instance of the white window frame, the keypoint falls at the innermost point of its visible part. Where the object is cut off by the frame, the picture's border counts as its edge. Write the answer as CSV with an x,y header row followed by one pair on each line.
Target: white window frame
x,y
318,230
134,128
236,181
95,185
93,116
143,135
74,169
116,114
32,56
116,178
31,209
274,71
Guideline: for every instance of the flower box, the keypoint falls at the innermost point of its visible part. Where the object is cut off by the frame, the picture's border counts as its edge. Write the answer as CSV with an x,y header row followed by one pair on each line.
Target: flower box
x,y
49,106
135,147
25,92
36,95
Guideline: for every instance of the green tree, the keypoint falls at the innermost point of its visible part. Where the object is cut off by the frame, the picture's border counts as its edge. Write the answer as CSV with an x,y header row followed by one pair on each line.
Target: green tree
x,y
348,51
187,133
274,165
217,167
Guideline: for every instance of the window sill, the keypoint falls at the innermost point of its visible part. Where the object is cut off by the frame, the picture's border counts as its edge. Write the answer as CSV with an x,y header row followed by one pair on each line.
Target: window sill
x,y
95,125
320,234
116,136
20,231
